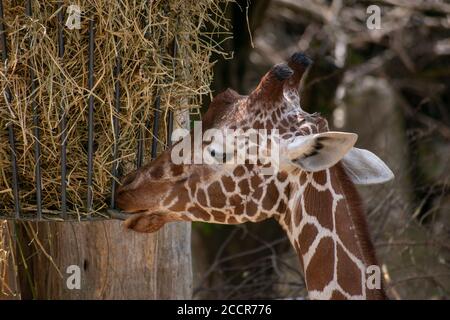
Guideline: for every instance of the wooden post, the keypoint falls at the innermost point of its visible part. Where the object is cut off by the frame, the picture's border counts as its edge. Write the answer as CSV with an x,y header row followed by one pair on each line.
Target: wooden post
x,y
9,288
114,263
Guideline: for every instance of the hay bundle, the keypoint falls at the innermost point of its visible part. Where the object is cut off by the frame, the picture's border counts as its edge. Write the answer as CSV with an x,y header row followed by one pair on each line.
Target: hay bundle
x,y
139,34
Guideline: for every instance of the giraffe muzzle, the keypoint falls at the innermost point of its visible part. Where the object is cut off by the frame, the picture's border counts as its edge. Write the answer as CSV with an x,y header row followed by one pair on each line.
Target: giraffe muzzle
x,y
119,215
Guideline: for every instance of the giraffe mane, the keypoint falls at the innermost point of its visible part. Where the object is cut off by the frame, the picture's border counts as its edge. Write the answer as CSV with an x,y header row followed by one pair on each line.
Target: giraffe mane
x,y
358,217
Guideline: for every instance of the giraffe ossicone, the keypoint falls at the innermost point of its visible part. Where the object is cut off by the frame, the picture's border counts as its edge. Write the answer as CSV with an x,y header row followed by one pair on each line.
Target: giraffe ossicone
x,y
311,193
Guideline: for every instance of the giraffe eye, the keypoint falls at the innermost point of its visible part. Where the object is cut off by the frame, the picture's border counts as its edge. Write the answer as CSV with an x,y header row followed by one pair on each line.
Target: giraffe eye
x,y
218,155
221,157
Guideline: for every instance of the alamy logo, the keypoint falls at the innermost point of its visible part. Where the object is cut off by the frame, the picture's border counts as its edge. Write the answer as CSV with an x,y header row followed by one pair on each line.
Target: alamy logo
x,y
73,17
373,281
74,279
373,21
214,147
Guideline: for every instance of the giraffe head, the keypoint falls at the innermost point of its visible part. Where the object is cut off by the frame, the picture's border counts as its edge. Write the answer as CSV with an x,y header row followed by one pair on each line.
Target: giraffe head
x,y
213,175
226,190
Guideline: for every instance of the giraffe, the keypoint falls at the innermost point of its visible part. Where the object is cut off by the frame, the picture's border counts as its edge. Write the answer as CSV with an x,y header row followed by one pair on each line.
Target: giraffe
x,y
311,193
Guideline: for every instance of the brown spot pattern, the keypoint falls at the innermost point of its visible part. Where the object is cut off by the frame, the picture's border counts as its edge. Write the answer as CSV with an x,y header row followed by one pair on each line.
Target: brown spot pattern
x,y
217,198
257,193
319,204
239,171
303,178
336,295
320,177
218,216
255,181
244,187
343,225
228,183
201,198
282,176
200,213
182,200
232,220
306,237
177,169
270,197
348,274
298,214
320,269
287,220
251,208
281,207
157,172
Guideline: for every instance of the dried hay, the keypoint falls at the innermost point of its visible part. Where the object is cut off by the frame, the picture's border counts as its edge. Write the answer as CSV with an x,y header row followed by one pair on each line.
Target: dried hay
x,y
142,34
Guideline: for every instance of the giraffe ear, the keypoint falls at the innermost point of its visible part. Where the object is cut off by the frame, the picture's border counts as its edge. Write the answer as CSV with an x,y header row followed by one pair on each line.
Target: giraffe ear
x,y
363,167
320,151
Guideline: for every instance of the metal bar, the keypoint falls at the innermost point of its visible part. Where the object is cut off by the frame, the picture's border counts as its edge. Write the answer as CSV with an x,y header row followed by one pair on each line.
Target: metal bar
x,y
170,115
15,179
115,166
63,125
91,115
36,131
3,35
141,136
156,126
140,148
11,137
141,145
169,128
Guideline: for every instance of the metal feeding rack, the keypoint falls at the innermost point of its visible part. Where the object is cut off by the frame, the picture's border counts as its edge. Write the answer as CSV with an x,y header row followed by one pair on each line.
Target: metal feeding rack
x,y
62,213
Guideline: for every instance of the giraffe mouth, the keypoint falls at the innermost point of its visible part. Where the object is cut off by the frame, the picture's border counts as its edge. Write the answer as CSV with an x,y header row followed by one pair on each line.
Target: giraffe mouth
x,y
119,215
122,215
144,221
141,221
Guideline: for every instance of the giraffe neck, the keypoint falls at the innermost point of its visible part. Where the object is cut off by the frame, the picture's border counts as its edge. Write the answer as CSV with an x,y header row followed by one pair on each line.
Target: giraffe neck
x,y
327,228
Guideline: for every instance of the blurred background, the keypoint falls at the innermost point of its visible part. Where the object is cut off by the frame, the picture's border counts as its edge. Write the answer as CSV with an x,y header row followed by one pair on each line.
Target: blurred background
x,y
390,83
